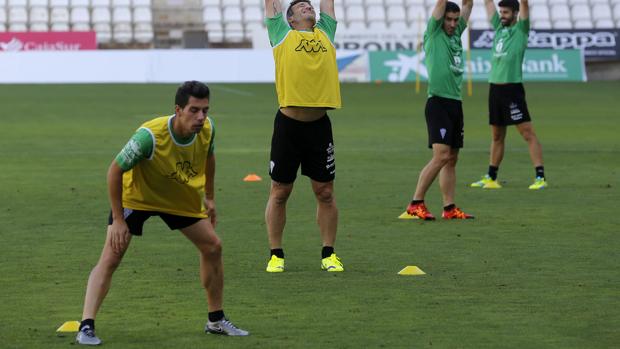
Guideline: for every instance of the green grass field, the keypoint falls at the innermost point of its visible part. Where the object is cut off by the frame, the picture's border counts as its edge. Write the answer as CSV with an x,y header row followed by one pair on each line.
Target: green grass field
x,y
534,270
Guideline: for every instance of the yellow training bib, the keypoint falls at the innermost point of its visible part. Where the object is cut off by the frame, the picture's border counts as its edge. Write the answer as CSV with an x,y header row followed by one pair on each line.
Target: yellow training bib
x,y
306,70
172,180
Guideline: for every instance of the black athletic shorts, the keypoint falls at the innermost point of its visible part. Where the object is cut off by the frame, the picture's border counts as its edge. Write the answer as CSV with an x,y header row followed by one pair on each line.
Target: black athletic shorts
x,y
135,220
507,105
444,121
309,144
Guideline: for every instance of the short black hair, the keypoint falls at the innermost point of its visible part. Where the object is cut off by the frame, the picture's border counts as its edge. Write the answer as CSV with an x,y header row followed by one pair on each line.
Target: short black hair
x,y
192,88
452,7
512,4
289,10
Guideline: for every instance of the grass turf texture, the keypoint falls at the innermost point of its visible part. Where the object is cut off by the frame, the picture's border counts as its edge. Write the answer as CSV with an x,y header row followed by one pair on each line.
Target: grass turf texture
x,y
534,270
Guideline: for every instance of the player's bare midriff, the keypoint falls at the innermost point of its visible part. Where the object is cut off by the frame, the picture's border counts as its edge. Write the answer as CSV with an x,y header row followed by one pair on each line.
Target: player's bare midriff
x,y
304,114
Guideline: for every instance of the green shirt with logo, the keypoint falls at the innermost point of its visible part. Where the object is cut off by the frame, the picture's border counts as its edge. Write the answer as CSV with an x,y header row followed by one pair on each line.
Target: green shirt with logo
x,y
508,51
444,59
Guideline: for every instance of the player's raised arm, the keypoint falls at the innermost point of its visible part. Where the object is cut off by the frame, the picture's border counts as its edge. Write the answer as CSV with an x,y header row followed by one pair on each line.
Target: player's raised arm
x,y
327,7
524,12
490,7
272,8
440,9
466,7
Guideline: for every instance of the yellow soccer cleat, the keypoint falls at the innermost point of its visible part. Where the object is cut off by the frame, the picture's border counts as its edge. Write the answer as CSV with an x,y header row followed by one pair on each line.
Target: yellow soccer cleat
x,y
332,263
486,182
479,184
275,265
539,183
492,184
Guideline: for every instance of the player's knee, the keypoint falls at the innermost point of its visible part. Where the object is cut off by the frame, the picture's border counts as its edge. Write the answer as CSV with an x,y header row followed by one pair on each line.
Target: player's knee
x,y
325,195
442,157
452,160
280,198
280,195
529,136
497,138
215,247
212,248
498,134
111,262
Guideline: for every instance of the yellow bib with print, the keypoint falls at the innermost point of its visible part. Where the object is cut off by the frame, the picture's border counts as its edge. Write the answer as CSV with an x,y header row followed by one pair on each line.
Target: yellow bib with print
x,y
306,70
172,180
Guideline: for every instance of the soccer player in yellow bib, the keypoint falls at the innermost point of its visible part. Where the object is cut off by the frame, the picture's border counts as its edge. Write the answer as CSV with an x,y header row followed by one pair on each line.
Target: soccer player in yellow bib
x,y
166,169
307,86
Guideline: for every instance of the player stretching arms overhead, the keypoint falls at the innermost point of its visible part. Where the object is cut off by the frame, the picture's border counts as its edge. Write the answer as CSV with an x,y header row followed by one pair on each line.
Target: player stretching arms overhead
x,y
444,112
307,86
507,104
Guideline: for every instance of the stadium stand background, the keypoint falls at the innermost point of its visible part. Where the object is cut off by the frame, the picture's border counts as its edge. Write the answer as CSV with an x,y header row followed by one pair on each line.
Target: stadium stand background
x,y
232,23
162,23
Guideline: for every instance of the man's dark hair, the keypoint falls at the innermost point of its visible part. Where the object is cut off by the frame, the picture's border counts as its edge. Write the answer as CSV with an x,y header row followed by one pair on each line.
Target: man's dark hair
x,y
289,10
511,4
452,7
192,88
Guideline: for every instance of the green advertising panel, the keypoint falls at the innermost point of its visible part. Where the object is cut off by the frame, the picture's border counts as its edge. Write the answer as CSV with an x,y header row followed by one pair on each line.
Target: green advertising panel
x,y
538,65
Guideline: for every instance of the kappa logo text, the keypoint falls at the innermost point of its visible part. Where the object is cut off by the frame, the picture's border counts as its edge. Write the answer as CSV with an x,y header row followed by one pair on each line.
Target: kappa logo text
x,y
311,46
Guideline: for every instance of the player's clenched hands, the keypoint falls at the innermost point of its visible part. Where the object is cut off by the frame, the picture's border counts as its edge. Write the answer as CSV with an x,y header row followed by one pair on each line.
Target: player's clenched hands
x,y
119,235
210,208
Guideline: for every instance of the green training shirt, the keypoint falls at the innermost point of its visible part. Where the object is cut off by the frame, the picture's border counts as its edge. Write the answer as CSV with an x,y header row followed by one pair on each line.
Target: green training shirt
x,y
508,51
140,146
444,59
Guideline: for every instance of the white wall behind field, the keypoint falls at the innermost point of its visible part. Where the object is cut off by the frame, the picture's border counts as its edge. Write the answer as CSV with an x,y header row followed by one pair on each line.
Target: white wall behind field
x,y
137,66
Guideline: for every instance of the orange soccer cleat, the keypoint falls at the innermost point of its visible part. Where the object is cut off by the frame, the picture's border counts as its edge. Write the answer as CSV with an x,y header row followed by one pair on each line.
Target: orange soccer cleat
x,y
420,211
455,213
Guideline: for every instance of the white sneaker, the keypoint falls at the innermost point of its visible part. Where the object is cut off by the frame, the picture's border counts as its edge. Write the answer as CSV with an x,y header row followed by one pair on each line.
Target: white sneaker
x,y
86,336
224,327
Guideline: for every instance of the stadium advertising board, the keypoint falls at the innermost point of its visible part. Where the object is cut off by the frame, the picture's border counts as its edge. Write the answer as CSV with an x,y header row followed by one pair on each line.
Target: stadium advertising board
x,y
352,66
538,65
377,40
598,44
47,41
248,65
137,66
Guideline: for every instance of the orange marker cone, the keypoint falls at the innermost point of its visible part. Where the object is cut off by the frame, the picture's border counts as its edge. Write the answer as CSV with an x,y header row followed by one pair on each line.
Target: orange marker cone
x,y
252,177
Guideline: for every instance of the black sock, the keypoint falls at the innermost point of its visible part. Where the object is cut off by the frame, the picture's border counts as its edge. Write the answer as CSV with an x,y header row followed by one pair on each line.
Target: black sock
x,y
493,172
278,252
540,171
327,251
216,315
88,322
415,202
449,207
